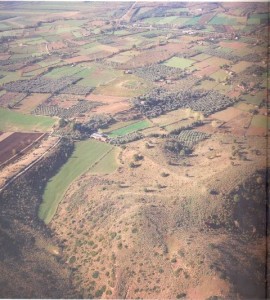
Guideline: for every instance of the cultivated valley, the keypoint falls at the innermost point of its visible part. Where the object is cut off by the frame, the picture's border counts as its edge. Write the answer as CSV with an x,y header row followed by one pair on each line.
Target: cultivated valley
x,y
133,150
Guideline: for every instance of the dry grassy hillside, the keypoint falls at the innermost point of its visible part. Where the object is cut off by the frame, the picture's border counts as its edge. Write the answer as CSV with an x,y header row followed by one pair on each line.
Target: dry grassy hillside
x,y
163,231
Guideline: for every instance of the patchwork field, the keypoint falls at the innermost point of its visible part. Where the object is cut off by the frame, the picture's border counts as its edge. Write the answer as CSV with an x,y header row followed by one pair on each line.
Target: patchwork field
x,y
177,209
155,55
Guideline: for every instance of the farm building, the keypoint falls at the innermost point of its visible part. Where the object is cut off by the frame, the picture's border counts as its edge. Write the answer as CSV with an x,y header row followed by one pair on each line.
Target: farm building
x,y
99,136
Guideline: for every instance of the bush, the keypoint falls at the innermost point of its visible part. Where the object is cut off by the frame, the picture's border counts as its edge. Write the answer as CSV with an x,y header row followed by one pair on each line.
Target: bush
x,y
72,259
132,165
95,274
163,174
181,295
236,198
137,157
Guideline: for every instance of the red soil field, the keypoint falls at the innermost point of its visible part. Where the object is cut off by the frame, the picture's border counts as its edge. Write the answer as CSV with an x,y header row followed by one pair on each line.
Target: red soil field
x,y
105,99
233,94
233,45
256,131
229,29
16,143
112,108
56,46
227,114
30,68
77,59
4,56
10,98
205,19
206,71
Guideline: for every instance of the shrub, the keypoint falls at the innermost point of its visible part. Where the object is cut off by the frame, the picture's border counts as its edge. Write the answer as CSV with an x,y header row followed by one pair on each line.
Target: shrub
x,y
236,198
181,295
72,259
132,165
163,174
95,274
137,157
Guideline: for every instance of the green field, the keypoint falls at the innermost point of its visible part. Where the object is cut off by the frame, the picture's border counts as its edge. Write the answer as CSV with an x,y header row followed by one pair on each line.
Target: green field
x,y
9,76
201,57
108,164
260,121
118,125
207,85
257,19
219,75
14,121
127,85
97,75
130,128
222,19
255,99
179,62
49,62
85,155
63,71
192,21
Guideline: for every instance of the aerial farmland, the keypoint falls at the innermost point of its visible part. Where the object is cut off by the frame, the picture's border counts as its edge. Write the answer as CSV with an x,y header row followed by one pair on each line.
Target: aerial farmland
x,y
133,150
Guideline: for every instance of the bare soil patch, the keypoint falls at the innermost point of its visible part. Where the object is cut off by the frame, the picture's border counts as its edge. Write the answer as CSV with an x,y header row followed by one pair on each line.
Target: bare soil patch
x,y
16,144
105,99
227,114
31,102
112,108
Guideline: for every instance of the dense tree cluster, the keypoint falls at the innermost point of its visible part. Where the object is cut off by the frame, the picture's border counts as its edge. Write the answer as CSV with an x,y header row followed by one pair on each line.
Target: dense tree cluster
x,y
131,137
219,53
22,61
255,69
160,101
189,138
253,57
176,131
75,89
174,146
97,121
54,110
190,53
161,11
157,72
41,85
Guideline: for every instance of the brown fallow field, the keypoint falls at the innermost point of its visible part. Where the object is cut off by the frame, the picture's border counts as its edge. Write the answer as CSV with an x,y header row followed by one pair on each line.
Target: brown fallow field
x,y
30,102
15,144
10,98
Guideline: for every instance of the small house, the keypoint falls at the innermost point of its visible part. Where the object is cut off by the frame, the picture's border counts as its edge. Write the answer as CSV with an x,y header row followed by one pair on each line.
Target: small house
x,y
99,136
